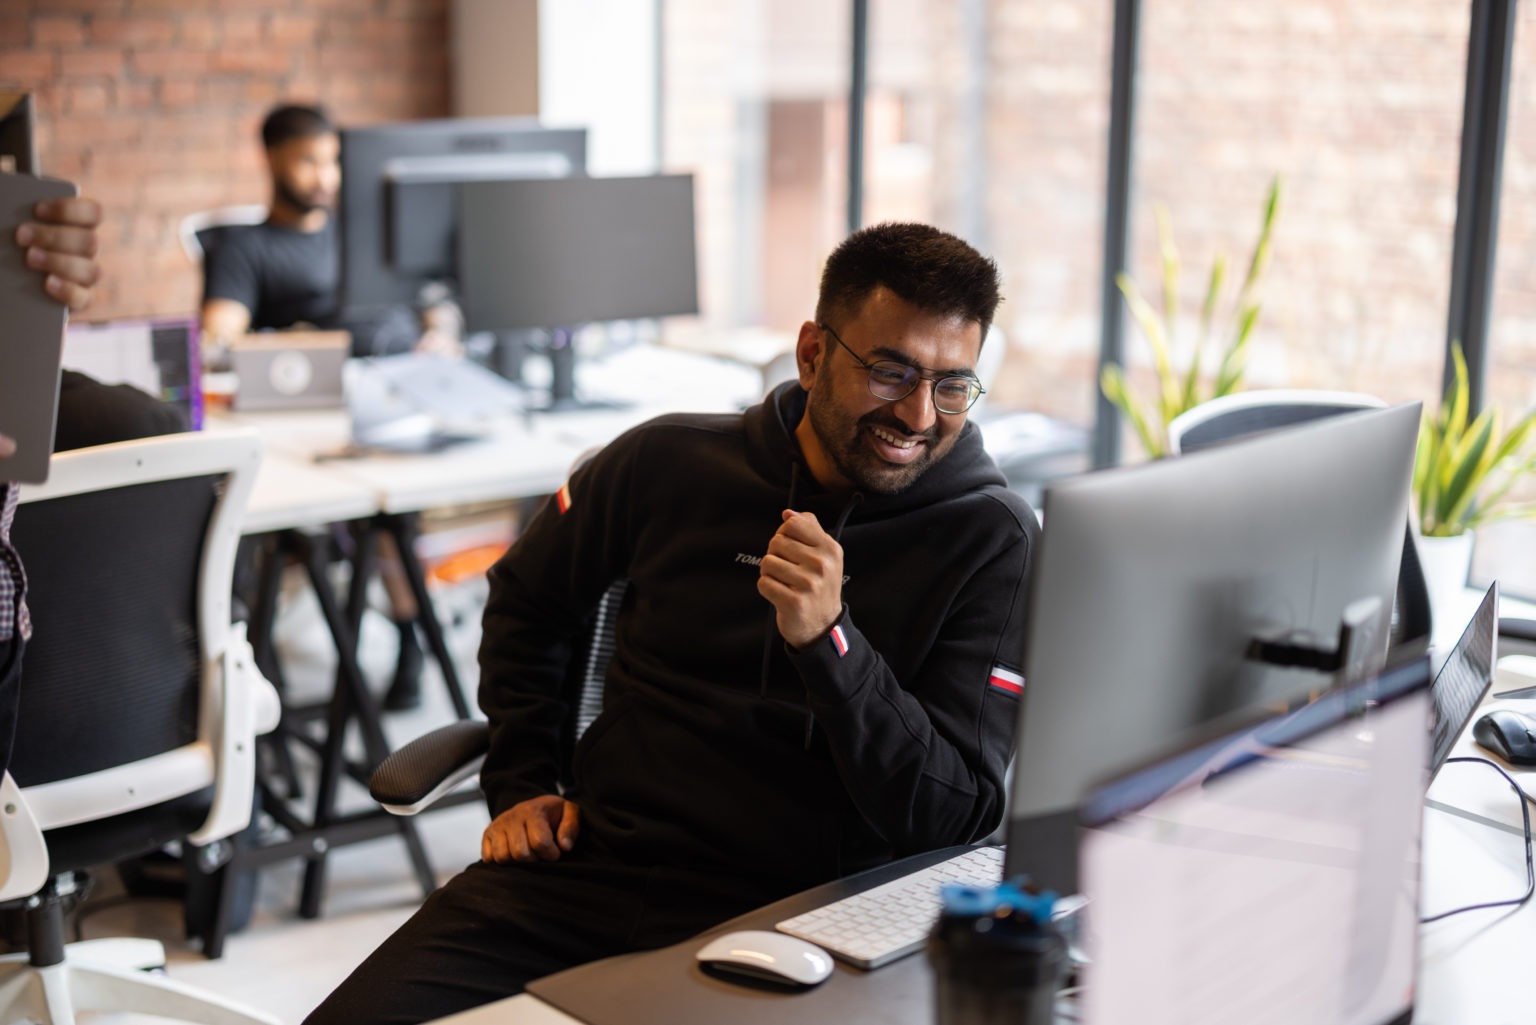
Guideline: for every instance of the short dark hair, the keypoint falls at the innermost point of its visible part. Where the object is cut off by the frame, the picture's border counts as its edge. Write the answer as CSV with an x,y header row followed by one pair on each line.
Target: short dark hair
x,y
294,121
931,269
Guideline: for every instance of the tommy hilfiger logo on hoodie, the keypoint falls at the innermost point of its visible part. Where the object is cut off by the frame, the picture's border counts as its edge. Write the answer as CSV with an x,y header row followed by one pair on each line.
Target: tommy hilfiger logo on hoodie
x,y
563,497
1007,680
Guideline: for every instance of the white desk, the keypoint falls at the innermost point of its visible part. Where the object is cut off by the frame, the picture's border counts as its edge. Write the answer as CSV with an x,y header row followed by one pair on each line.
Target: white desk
x,y
519,456
292,492
1472,966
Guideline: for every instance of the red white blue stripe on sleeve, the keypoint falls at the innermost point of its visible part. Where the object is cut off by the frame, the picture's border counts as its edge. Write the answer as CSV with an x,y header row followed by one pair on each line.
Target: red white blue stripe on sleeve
x,y
839,640
1006,680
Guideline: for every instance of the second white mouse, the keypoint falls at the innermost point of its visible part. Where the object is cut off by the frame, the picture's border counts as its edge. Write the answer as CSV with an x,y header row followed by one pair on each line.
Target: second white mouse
x,y
767,955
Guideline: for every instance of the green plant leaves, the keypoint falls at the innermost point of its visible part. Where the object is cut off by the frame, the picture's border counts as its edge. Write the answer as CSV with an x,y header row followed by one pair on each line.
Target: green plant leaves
x,y
1462,472
1180,390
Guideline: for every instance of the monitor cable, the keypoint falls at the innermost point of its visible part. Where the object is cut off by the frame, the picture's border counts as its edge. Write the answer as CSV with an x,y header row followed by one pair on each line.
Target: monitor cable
x,y
1530,869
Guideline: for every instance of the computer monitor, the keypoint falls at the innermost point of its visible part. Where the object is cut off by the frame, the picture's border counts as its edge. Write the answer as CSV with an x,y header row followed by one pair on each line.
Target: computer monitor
x,y
561,253
1165,595
1269,872
399,210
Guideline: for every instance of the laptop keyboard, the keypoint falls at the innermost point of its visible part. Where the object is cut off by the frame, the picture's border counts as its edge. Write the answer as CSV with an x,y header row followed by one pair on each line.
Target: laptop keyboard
x,y
892,920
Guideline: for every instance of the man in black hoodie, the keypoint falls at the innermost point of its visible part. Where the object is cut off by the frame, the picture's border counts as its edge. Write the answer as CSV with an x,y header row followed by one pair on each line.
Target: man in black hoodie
x,y
747,749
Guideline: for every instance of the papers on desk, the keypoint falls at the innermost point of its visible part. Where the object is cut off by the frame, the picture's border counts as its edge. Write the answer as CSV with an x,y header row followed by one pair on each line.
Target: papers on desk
x,y
420,402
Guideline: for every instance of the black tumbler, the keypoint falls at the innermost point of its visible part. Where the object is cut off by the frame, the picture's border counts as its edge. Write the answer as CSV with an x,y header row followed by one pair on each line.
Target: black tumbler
x,y
996,957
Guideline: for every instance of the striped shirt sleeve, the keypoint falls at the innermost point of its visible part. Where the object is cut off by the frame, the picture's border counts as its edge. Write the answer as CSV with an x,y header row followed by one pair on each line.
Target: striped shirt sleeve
x,y
13,582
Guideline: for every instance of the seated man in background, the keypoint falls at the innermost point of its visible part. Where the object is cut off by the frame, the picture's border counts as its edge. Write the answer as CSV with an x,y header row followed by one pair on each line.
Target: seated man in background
x,y
826,600
286,272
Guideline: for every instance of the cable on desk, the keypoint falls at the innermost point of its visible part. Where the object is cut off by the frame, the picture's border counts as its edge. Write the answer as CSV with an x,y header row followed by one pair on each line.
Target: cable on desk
x,y
1530,868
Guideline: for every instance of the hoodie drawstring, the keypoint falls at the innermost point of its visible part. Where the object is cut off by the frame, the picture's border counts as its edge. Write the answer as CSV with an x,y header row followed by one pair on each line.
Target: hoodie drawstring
x,y
771,631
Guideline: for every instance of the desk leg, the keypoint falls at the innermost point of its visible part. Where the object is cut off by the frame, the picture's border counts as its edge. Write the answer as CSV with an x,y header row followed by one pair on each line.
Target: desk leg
x,y
350,699
403,530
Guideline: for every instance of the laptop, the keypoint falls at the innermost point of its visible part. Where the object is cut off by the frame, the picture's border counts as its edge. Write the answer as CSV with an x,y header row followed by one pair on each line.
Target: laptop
x,y
1464,679
1267,874
290,369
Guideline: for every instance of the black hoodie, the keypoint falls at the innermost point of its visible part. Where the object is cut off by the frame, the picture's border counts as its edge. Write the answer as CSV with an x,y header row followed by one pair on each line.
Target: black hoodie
x,y
702,759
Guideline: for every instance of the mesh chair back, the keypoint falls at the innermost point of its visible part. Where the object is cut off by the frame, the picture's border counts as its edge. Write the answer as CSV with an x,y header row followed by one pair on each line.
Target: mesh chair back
x,y
1244,420
587,676
1254,414
112,672
601,644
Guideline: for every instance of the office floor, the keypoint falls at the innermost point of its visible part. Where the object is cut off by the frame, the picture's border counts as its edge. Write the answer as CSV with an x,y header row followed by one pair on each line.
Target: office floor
x,y
280,963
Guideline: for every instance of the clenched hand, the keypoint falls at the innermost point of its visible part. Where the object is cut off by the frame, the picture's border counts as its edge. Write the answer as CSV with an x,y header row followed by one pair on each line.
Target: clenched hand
x,y
538,829
802,577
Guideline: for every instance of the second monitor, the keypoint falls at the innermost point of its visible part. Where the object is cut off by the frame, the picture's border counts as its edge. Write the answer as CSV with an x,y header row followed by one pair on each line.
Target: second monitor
x,y
563,252
1154,582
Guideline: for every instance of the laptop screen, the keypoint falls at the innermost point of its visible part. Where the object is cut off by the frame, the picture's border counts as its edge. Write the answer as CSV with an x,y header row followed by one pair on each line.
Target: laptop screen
x,y
1269,875
1464,679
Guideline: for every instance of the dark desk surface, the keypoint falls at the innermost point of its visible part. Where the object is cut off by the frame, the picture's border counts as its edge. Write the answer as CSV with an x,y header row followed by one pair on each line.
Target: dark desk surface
x,y
667,986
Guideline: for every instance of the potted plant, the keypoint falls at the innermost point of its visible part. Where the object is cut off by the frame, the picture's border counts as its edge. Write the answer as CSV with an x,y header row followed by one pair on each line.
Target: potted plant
x,y
1463,472
1180,389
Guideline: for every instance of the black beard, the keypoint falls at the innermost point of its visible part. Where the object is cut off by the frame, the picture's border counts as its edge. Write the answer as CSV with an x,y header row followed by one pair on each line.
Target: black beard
x,y
289,197
839,436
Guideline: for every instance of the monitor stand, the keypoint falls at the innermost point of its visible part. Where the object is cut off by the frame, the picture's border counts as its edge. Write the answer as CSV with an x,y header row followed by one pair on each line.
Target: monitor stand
x,y
562,383
1356,655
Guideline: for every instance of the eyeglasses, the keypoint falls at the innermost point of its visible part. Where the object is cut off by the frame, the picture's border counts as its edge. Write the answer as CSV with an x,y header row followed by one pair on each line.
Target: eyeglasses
x,y
893,381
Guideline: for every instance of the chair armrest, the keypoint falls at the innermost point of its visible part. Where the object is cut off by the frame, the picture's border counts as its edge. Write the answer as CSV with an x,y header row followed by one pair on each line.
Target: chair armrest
x,y
23,851
246,705
415,776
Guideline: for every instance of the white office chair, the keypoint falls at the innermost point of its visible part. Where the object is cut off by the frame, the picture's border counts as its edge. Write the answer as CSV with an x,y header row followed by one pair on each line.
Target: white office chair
x,y
139,708
193,225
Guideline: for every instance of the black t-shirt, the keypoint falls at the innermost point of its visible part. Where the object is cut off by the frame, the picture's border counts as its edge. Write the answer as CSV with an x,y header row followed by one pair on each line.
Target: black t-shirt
x,y
283,276
287,277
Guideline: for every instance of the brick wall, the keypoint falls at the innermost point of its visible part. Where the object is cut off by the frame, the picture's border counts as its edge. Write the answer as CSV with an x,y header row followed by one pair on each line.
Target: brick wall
x,y
153,106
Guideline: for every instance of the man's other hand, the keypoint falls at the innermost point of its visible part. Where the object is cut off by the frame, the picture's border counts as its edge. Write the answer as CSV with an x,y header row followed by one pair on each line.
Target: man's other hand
x,y
538,829
61,243
802,577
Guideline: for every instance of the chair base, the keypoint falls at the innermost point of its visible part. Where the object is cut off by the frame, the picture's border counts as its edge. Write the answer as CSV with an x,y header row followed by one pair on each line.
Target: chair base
x,y
108,975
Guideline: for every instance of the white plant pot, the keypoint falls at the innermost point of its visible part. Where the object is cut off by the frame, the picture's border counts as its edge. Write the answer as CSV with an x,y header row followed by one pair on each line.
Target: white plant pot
x,y
1447,562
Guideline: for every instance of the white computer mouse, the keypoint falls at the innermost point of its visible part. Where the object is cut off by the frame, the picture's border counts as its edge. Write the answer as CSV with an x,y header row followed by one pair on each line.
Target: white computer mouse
x,y
767,955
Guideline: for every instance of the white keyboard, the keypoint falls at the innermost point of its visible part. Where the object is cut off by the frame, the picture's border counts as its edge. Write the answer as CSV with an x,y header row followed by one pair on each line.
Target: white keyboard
x,y
892,920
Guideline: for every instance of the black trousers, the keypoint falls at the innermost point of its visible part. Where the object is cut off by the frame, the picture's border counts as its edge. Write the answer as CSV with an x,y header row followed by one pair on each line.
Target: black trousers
x,y
10,696
496,927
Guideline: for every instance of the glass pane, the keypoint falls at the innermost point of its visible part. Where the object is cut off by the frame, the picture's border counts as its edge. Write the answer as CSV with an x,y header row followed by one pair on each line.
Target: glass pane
x,y
1508,550
1357,109
987,118
754,103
